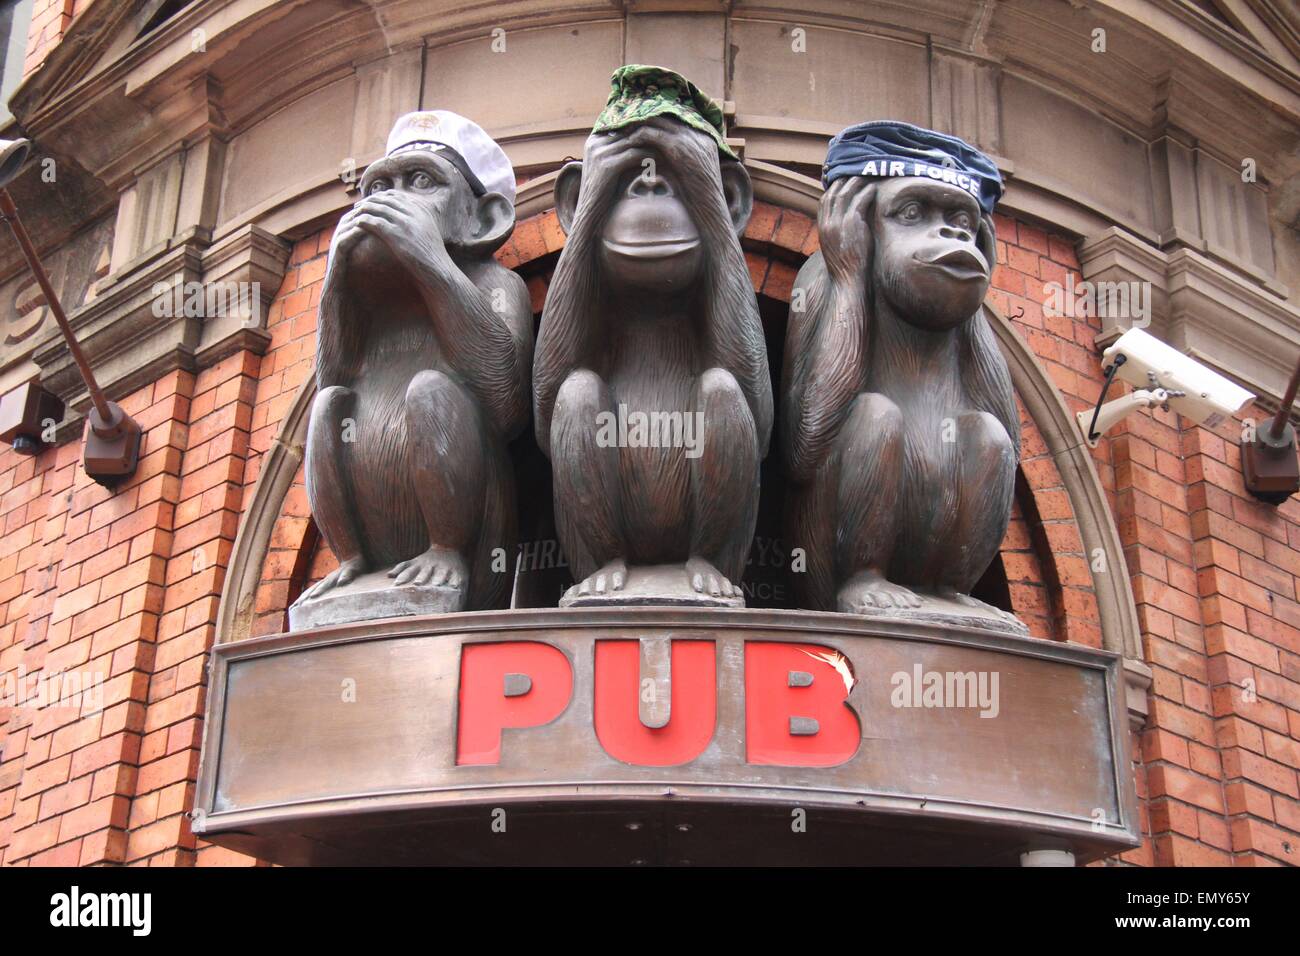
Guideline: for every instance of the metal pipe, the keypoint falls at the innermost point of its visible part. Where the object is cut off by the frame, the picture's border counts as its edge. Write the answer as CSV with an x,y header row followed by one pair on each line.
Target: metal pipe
x,y
9,213
1284,410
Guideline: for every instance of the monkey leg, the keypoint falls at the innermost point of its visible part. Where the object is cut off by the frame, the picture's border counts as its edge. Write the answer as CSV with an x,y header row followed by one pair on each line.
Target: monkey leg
x,y
987,476
447,442
492,567
810,528
869,453
329,488
724,485
588,501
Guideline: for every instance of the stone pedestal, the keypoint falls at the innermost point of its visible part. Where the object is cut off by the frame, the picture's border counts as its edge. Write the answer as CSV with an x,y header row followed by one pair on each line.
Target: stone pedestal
x,y
372,597
657,585
948,612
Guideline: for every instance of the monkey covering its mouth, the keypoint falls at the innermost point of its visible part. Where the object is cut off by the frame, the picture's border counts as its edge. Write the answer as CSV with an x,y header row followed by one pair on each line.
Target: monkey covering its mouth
x,y
422,370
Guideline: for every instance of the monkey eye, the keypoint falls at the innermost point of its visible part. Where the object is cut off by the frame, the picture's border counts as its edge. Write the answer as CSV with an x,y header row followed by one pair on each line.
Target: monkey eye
x,y
421,180
911,212
962,220
377,186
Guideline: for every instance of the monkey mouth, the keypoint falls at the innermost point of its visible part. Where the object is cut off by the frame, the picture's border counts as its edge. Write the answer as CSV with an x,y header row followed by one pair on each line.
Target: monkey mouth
x,y
653,249
960,264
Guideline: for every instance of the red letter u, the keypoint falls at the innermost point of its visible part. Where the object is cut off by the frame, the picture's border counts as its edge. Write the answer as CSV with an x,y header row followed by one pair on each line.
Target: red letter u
x,y
693,706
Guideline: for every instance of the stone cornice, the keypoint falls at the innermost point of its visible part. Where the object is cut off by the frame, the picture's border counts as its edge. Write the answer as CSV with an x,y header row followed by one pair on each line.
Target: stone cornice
x,y
126,343
130,344
169,127
153,69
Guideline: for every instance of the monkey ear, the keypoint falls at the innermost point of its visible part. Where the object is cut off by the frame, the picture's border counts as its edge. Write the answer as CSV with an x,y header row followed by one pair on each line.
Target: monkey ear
x,y
987,241
739,192
567,184
494,220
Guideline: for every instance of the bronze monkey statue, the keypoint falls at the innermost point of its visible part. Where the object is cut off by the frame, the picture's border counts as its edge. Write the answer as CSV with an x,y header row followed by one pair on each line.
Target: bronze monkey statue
x,y
422,366
899,431
651,389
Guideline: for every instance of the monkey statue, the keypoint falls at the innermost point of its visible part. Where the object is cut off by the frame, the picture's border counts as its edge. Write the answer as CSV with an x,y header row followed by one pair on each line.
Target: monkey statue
x,y
422,366
651,390
899,431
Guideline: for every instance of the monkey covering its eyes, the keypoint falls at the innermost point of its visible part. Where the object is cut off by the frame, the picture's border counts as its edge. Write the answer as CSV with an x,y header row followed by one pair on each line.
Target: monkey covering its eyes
x,y
422,360
899,430
652,394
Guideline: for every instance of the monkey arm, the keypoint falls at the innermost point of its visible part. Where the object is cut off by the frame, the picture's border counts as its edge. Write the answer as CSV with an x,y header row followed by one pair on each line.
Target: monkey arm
x,y
825,366
486,347
565,341
571,331
339,333
736,344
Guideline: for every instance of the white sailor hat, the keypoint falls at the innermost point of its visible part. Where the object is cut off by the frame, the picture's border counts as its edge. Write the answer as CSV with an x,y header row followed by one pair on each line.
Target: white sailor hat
x,y
461,142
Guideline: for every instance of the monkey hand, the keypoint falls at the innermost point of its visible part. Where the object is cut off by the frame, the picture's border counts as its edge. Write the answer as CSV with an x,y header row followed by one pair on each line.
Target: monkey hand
x,y
409,230
609,162
347,234
842,228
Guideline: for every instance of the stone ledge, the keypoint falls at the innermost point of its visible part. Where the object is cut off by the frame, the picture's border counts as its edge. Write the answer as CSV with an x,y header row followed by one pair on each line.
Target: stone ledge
x,y
297,768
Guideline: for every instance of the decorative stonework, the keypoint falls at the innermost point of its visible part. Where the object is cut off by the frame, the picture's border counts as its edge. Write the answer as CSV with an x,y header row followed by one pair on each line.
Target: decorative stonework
x,y
187,309
215,139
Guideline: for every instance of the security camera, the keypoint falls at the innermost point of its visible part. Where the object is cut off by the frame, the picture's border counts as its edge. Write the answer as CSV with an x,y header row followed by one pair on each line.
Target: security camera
x,y
1165,378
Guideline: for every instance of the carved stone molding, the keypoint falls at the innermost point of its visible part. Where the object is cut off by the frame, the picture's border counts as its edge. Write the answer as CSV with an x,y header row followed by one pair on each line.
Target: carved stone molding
x,y
187,308
199,144
1137,683
126,341
250,258
279,466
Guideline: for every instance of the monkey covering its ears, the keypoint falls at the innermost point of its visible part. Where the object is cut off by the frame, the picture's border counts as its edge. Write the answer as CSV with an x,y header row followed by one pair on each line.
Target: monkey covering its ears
x,y
899,430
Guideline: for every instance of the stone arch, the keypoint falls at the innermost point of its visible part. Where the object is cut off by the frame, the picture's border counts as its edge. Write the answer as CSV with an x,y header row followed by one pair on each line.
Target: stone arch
x,y
278,470
1073,463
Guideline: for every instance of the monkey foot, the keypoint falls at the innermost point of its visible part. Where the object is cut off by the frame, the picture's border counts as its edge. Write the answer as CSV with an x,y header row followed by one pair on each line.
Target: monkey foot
x,y
374,595
965,600
694,583
437,566
868,591
610,578
344,574
706,579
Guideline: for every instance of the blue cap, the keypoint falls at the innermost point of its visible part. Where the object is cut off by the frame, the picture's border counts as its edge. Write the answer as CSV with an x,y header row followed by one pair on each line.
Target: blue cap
x,y
891,148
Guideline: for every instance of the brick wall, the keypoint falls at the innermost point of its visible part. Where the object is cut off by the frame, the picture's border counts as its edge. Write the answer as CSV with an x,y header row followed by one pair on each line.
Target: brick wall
x,y
50,19
126,585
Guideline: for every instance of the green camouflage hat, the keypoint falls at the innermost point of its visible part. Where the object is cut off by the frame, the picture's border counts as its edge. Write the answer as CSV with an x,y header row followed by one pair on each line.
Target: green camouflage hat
x,y
638,93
